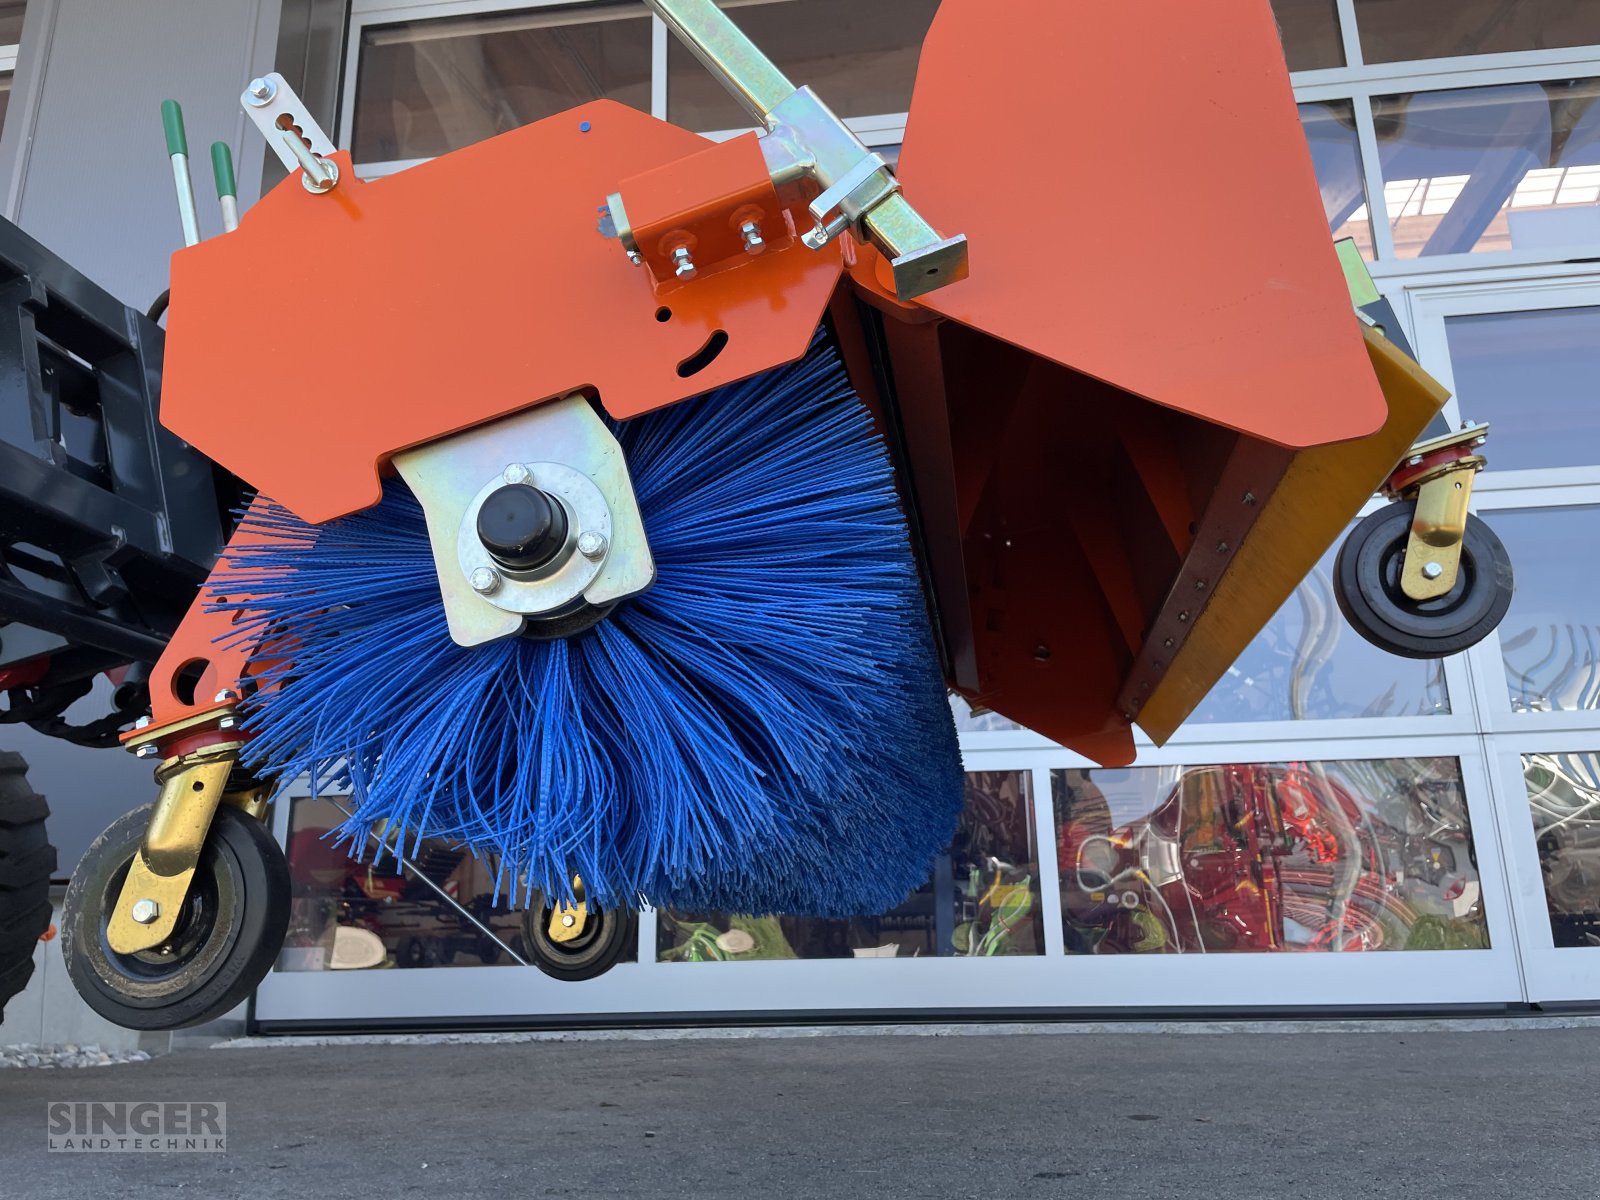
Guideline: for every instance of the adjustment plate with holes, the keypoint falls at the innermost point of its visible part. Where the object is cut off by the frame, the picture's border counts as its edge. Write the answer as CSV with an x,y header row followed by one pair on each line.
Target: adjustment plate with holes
x,y
284,111
570,454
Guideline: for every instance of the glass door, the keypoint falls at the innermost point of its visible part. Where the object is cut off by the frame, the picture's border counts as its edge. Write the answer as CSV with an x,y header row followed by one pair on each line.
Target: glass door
x,y
1524,355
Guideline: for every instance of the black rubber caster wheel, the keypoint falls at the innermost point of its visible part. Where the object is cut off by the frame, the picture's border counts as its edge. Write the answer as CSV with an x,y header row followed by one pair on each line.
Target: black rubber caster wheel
x,y
1366,583
226,939
27,861
606,937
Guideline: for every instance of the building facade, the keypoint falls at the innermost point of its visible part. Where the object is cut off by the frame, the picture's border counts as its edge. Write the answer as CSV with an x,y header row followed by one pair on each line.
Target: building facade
x,y
1334,828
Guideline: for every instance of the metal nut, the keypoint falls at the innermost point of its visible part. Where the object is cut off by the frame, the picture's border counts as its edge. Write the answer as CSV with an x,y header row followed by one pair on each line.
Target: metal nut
x,y
145,911
149,750
1432,570
227,722
225,697
568,920
1414,461
754,243
262,91
683,263
636,258
591,544
485,580
516,473
142,723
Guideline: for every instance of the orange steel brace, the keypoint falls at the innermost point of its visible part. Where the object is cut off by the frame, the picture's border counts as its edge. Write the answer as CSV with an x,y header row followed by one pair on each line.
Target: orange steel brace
x,y
208,655
699,203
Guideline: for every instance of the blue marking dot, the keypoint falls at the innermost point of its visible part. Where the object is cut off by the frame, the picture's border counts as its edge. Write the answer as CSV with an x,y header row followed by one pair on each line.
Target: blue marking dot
x,y
583,127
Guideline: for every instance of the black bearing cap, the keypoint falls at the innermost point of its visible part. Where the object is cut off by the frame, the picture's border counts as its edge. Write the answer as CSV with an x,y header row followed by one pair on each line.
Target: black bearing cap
x,y
521,527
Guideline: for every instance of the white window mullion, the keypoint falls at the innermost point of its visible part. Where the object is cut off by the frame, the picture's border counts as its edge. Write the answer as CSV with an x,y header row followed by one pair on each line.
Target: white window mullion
x,y
659,35
1349,33
1372,171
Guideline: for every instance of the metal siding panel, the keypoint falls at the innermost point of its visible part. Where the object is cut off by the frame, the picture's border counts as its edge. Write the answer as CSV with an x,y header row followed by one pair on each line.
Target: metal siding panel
x,y
96,186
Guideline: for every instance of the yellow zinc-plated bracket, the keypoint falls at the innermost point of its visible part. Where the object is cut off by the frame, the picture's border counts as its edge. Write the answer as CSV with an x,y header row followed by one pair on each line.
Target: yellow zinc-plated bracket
x,y
1442,493
153,895
567,920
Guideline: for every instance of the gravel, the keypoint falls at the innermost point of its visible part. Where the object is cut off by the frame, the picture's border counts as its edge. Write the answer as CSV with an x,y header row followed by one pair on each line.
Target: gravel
x,y
65,1056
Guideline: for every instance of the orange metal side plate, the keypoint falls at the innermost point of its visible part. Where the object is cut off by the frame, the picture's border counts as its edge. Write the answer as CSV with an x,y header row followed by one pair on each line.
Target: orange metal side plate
x,y
1141,207
329,331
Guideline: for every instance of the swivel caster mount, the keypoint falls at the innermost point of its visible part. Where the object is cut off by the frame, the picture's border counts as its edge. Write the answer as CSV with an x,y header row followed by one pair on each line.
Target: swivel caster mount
x,y
576,942
1421,577
177,911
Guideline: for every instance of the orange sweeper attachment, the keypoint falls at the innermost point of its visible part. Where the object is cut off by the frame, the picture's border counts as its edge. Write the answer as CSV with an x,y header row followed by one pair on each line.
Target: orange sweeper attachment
x,y
599,407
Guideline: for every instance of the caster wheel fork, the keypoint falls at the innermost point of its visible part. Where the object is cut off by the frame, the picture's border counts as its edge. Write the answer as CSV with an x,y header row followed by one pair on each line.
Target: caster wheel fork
x,y
1369,588
576,942
177,911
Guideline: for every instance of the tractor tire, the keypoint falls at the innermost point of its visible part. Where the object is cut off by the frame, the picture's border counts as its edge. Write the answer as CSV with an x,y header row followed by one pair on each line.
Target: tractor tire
x,y
27,860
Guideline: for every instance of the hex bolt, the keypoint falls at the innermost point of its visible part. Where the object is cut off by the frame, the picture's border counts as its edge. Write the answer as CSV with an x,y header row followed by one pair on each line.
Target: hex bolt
x,y
228,722
516,473
683,263
1414,461
261,91
754,243
485,580
636,258
1432,570
150,750
592,545
145,911
568,920
142,723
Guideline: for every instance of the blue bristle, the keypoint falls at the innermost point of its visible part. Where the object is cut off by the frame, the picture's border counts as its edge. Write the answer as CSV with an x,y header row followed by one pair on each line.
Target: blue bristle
x,y
765,730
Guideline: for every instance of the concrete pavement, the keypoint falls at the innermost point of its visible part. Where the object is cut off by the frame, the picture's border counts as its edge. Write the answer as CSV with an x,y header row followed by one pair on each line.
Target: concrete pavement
x,y
1497,1110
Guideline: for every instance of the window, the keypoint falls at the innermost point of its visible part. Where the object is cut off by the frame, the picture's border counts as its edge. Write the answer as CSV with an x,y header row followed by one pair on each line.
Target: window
x,y
1564,803
1515,167
1392,30
1532,375
1550,639
1310,32
981,902
1330,128
427,87
1308,664
347,914
860,58
1267,857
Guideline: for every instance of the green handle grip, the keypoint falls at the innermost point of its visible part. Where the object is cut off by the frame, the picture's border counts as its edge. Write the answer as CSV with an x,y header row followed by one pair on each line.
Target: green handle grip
x,y
222,169
172,120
